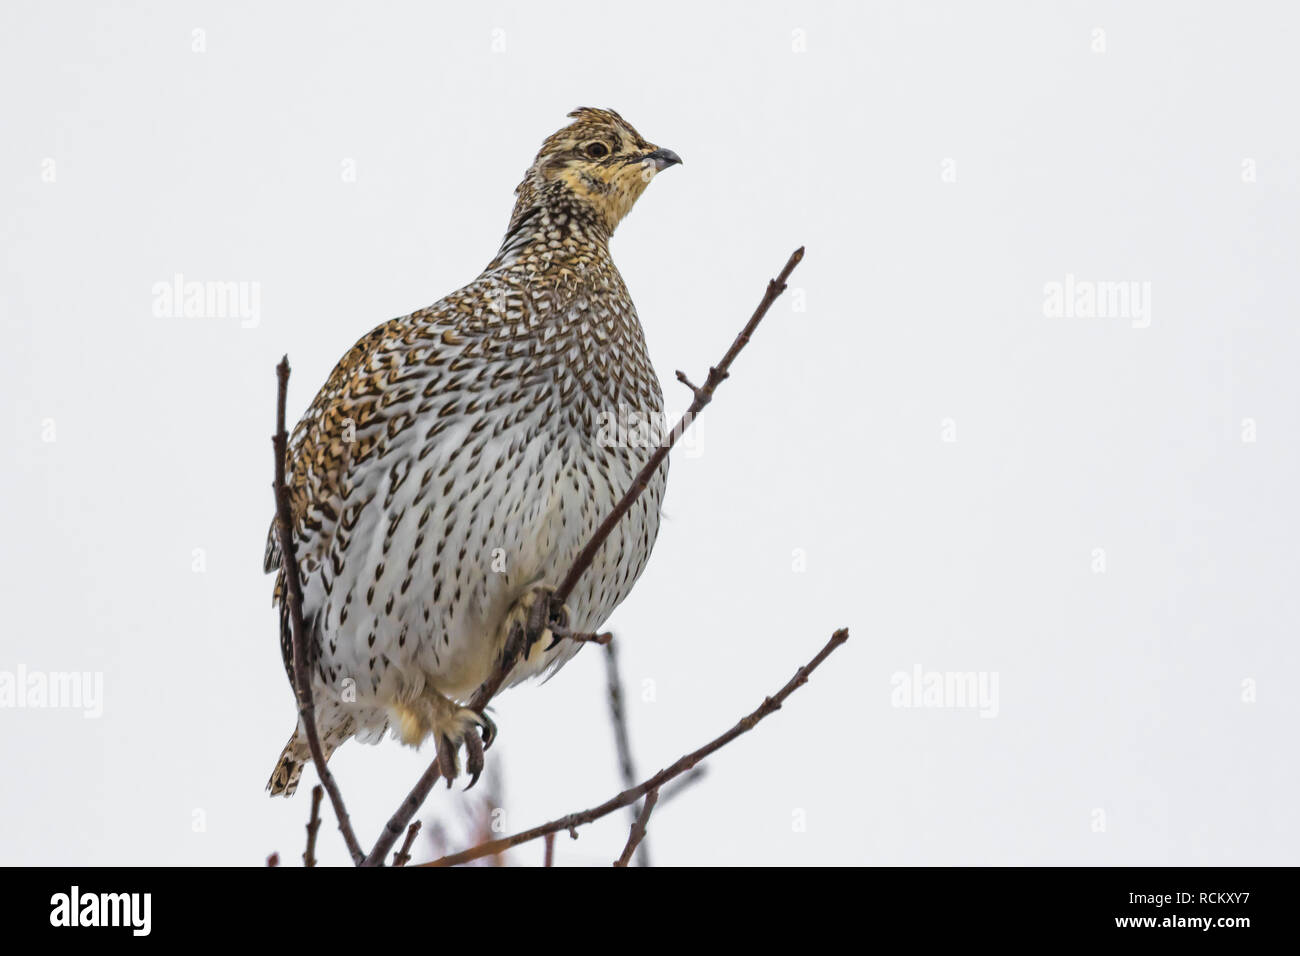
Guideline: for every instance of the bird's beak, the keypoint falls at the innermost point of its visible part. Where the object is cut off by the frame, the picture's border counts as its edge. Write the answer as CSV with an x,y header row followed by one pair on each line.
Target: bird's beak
x,y
662,159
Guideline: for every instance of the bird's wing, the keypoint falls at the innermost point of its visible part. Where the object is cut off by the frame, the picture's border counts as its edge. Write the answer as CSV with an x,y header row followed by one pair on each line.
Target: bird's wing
x,y
320,461
320,457
375,392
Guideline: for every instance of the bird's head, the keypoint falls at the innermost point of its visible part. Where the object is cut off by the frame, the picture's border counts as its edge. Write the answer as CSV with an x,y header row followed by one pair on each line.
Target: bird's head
x,y
598,162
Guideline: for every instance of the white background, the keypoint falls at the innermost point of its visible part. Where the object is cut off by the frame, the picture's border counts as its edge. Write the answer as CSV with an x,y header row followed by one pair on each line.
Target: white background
x,y
1120,693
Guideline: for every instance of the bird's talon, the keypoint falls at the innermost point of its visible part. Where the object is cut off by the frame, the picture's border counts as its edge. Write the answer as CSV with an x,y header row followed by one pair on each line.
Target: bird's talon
x,y
559,616
489,730
474,759
447,760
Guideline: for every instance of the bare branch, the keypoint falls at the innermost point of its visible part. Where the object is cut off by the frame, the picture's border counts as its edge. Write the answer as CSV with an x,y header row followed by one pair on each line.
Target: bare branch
x,y
637,833
293,595
618,718
548,859
420,792
769,706
313,824
681,377
403,856
622,740
602,638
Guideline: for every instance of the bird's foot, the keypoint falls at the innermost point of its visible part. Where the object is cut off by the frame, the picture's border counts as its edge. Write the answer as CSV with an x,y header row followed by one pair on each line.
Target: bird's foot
x,y
451,726
536,618
475,732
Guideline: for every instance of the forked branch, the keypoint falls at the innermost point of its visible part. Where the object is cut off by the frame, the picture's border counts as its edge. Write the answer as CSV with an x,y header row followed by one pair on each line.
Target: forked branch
x,y
637,834
574,820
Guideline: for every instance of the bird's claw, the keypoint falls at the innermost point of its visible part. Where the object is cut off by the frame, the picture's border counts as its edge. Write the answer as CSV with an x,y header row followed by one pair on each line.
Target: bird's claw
x,y
447,760
478,734
489,728
474,758
544,614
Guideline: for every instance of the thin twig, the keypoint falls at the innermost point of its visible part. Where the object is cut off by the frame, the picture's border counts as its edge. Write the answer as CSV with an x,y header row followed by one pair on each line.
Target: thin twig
x,y
618,718
548,858
603,638
622,740
313,824
293,595
420,792
637,833
403,856
573,820
681,377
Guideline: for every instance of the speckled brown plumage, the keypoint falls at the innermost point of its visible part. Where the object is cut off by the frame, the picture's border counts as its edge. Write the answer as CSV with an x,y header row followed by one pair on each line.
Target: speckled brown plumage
x,y
459,457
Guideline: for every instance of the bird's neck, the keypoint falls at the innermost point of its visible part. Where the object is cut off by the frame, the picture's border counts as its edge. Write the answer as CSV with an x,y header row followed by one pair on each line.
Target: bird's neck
x,y
552,226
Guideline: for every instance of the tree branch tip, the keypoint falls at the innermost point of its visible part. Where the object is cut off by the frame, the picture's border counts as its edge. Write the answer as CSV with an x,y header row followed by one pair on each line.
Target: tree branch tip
x,y
695,389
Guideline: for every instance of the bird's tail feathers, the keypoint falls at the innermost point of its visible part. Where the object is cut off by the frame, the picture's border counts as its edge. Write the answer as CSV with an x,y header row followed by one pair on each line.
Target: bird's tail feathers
x,y
284,778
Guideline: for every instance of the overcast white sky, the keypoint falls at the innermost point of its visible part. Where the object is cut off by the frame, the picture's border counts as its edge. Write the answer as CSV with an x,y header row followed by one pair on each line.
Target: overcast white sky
x,y
1096,513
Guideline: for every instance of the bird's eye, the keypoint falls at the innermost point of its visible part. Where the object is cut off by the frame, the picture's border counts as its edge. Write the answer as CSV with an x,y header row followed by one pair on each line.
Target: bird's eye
x,y
597,150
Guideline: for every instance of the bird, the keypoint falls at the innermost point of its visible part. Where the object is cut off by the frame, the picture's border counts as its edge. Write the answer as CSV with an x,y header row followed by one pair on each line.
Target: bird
x,y
458,458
